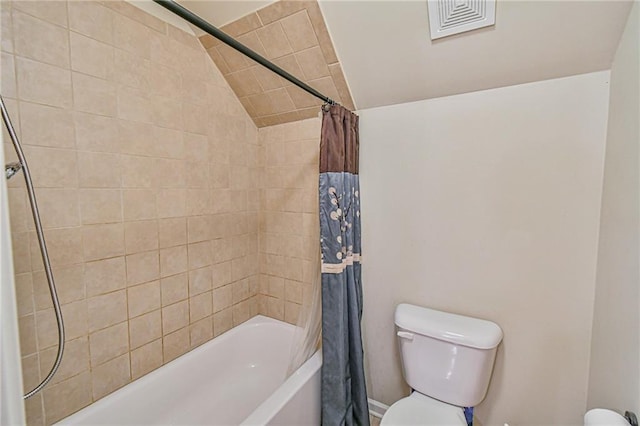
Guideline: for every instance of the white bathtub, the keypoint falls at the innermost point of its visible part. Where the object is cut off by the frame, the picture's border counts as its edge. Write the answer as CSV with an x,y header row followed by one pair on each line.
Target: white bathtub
x,y
238,378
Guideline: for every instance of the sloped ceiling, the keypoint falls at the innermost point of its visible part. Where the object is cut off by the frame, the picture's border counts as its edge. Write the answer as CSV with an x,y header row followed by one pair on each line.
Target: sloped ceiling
x,y
388,57
293,35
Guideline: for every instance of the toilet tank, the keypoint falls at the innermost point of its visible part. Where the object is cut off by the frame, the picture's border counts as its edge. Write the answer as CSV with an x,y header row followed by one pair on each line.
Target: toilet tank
x,y
446,356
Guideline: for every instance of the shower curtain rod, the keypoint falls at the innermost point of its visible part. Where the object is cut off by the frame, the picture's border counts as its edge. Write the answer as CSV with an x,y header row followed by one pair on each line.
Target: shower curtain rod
x,y
230,41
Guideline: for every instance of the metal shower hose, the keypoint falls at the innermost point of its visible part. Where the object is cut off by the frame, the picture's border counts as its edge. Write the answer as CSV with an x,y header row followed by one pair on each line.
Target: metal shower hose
x,y
43,249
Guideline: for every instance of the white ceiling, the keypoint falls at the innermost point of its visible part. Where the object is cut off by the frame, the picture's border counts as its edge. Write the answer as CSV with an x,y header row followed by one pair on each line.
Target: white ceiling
x,y
388,57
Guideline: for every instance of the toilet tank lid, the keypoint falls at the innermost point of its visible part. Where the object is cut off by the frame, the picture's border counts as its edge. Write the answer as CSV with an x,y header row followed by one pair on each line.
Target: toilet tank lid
x,y
456,329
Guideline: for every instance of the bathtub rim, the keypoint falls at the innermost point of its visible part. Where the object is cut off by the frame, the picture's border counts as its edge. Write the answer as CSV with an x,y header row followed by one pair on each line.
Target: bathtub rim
x,y
186,357
271,406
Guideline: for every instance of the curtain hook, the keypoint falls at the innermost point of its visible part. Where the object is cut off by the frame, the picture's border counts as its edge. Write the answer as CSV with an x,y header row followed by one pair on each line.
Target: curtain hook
x,y
328,104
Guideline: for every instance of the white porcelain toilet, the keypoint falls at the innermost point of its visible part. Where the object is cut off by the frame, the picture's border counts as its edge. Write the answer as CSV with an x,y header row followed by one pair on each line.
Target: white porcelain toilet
x,y
447,360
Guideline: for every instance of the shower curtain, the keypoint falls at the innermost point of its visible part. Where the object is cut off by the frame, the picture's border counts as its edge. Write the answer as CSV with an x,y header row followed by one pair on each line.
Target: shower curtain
x,y
344,395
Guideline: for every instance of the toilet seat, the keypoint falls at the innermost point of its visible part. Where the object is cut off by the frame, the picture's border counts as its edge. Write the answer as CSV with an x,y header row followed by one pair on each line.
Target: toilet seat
x,y
418,409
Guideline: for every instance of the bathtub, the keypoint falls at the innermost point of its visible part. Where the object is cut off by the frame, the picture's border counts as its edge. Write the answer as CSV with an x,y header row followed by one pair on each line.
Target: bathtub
x,y
238,378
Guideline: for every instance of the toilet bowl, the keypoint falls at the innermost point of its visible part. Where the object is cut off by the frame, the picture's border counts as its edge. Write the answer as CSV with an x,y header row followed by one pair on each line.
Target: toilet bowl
x,y
604,417
420,409
447,360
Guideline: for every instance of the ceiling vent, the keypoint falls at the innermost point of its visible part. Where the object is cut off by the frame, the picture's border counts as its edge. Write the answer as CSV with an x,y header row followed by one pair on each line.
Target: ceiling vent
x,y
448,17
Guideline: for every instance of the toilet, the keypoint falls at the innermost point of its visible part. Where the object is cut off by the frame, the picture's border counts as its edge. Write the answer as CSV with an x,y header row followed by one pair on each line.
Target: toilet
x,y
447,360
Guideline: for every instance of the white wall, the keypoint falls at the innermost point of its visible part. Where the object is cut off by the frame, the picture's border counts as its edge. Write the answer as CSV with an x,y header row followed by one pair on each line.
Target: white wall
x,y
614,381
487,204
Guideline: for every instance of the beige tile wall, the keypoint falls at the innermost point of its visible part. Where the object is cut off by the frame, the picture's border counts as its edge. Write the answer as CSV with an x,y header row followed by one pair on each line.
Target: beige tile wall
x,y
289,224
146,168
293,35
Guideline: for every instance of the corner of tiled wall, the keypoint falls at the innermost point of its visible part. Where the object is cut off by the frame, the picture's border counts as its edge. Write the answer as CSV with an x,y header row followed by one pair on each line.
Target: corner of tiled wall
x,y
289,224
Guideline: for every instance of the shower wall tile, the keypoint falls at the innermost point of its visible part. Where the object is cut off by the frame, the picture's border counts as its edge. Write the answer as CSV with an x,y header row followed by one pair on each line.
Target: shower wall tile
x,y
175,344
78,314
146,359
94,95
141,236
222,321
312,63
8,82
241,312
169,143
67,396
98,170
139,204
138,172
64,244
91,57
275,308
222,298
126,9
174,289
221,274
91,19
58,207
109,343
143,298
145,328
52,168
103,241
53,12
131,70
70,286
26,326
107,309
142,267
172,232
6,28
175,317
40,40
166,112
33,410
172,203
291,312
138,137
56,127
199,254
104,276
43,83
24,294
128,35
110,376
173,260
44,333
75,313
149,200
30,371
100,206
200,307
201,331
200,281
134,104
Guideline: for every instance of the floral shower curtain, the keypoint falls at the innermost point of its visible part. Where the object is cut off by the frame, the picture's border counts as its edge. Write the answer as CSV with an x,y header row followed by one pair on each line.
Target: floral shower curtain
x,y
344,395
